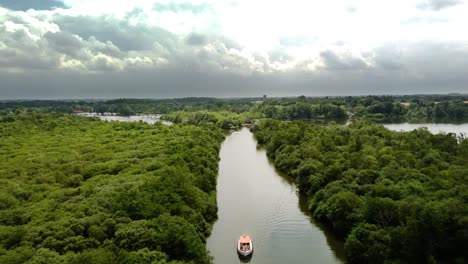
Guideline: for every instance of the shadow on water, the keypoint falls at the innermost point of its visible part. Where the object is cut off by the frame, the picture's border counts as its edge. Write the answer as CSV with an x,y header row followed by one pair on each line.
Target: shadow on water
x,y
335,242
246,259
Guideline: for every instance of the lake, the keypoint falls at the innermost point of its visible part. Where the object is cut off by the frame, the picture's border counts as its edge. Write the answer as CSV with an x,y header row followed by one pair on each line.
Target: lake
x,y
150,119
432,127
253,198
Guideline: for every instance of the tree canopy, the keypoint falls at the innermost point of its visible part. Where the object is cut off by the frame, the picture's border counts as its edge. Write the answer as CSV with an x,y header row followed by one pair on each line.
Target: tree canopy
x,y
378,108
81,190
396,197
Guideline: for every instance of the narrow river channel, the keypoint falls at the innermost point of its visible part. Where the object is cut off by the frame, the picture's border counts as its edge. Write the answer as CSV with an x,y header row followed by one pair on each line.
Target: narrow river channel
x,y
254,199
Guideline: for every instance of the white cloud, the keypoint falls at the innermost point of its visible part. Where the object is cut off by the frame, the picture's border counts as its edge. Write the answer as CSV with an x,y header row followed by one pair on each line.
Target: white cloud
x,y
332,39
438,4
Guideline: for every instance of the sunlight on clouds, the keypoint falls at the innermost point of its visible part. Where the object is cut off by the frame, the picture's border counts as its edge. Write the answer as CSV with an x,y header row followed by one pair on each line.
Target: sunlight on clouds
x,y
71,64
260,25
219,46
242,37
117,8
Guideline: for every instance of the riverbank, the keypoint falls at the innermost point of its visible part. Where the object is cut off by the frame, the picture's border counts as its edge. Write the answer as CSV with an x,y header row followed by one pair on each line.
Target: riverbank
x,y
253,198
385,192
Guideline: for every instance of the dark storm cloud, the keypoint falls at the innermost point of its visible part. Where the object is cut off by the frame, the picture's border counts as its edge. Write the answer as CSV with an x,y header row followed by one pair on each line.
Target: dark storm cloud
x,y
443,61
121,33
181,82
213,73
24,5
196,39
77,48
438,4
334,61
65,42
26,48
182,7
104,44
103,57
388,60
152,83
23,52
216,58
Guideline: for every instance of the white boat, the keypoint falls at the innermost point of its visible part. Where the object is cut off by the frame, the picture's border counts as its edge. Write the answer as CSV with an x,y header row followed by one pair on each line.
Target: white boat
x,y
245,245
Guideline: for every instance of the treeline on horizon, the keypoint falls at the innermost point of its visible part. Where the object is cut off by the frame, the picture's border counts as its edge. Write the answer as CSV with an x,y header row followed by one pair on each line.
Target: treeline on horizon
x,y
80,190
378,108
395,197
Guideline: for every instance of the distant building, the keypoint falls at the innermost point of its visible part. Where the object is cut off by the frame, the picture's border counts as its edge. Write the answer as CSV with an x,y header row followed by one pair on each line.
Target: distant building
x,y
264,98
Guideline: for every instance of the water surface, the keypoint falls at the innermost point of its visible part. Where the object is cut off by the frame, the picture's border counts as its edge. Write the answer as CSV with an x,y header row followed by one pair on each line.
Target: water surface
x,y
150,119
432,127
254,199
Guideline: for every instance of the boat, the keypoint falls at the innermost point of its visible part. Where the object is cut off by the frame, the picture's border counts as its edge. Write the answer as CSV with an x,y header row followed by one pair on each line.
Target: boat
x,y
244,246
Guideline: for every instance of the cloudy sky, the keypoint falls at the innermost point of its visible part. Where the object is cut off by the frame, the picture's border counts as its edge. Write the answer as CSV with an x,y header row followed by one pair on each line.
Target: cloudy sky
x,y
143,48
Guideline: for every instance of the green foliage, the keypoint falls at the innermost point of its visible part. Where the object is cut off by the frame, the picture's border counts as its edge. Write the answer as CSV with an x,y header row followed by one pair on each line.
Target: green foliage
x,y
81,190
222,119
368,243
127,106
221,111
78,190
394,196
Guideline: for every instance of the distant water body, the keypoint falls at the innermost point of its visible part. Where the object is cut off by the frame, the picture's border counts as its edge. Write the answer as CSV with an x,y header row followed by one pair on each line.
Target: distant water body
x,y
150,119
432,127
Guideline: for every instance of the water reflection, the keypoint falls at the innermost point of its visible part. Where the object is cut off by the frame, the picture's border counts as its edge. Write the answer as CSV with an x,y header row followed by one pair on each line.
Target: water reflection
x,y
254,199
335,242
434,128
246,259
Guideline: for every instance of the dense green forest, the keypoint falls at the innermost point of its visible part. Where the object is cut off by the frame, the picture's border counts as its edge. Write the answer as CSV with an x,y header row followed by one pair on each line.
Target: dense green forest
x,y
396,197
81,190
379,108
127,107
222,119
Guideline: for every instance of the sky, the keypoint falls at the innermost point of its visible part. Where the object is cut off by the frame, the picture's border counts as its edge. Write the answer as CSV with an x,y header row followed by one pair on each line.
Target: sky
x,y
66,49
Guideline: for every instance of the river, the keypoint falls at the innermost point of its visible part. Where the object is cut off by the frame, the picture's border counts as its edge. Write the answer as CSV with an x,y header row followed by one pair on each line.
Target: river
x,y
254,199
